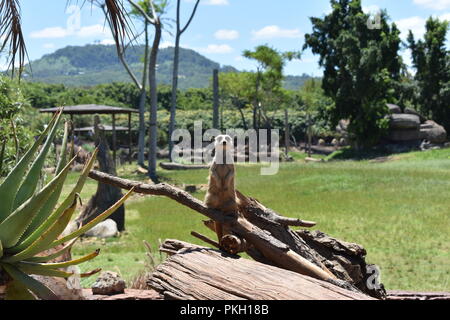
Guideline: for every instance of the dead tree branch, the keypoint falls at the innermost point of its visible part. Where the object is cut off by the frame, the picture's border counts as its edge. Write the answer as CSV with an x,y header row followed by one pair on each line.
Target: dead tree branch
x,y
267,238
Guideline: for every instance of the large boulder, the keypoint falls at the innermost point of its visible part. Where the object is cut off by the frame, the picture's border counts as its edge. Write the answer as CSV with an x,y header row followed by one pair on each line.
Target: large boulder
x,y
105,229
108,283
403,135
393,108
404,121
433,132
414,112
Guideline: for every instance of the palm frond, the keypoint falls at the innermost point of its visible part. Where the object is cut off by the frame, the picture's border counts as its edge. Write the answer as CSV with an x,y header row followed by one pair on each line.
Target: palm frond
x,y
12,35
117,16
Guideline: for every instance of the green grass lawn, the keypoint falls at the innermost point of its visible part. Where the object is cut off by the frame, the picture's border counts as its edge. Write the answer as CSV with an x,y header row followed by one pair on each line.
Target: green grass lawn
x,y
398,210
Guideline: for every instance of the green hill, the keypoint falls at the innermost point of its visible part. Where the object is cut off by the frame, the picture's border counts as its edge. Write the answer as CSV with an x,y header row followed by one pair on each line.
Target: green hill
x,y
96,64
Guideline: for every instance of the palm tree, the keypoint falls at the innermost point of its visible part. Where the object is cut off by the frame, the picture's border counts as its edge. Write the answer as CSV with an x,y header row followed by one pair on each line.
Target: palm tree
x,y
14,42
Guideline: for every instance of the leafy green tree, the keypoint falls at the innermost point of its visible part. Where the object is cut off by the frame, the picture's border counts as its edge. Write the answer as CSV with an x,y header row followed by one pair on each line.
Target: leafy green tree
x,y
268,80
361,66
431,60
15,134
237,89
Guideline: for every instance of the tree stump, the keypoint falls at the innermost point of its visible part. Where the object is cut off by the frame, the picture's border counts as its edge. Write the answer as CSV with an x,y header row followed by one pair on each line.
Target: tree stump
x,y
199,273
106,195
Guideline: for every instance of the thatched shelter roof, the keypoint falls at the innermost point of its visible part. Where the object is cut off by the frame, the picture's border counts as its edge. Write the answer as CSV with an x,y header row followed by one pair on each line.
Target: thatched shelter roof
x,y
104,127
91,109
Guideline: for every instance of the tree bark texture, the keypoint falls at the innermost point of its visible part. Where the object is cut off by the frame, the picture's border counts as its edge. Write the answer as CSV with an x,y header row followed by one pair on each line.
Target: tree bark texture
x,y
200,273
106,195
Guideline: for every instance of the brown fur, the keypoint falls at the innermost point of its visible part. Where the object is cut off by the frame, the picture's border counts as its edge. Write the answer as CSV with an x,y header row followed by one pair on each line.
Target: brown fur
x,y
221,193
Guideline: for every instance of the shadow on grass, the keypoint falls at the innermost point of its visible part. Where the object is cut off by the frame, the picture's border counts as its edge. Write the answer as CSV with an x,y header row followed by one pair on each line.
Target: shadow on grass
x,y
349,153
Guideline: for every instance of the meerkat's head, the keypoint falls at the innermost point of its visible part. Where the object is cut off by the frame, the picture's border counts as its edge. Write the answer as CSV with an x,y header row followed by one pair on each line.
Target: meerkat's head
x,y
223,145
223,142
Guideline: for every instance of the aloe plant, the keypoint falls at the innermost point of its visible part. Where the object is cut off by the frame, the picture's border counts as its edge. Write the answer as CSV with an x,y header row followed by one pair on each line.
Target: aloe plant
x,y
32,220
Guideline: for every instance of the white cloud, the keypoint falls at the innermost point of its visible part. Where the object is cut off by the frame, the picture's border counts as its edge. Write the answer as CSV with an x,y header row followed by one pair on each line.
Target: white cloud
x,y
270,32
96,30
166,44
55,32
445,16
216,49
371,9
434,4
416,25
107,42
225,34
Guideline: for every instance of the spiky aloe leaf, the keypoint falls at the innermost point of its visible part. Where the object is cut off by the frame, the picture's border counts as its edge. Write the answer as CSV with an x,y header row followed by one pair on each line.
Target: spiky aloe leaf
x,y
60,210
55,255
12,228
17,291
35,286
49,266
38,270
31,180
51,202
93,222
47,238
9,187
63,153
46,272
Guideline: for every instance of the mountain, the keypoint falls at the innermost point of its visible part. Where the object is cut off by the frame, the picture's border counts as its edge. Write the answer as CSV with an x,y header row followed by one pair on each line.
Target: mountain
x,y
95,64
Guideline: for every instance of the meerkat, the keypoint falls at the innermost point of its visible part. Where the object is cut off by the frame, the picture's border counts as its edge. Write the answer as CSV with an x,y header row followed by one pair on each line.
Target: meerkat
x,y
221,193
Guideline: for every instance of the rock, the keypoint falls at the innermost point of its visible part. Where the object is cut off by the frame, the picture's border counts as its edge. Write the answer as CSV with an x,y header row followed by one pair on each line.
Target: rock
x,y
77,167
321,142
71,227
397,135
105,229
108,283
61,288
191,188
309,159
130,294
414,112
433,132
342,142
426,125
404,121
335,142
393,109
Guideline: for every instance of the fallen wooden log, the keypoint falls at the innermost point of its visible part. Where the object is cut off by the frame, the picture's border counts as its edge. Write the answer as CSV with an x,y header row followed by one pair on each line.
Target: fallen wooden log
x,y
199,273
269,239
179,166
412,295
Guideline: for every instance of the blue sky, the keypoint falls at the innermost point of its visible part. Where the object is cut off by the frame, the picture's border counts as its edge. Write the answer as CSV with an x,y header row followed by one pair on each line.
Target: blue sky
x,y
221,30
